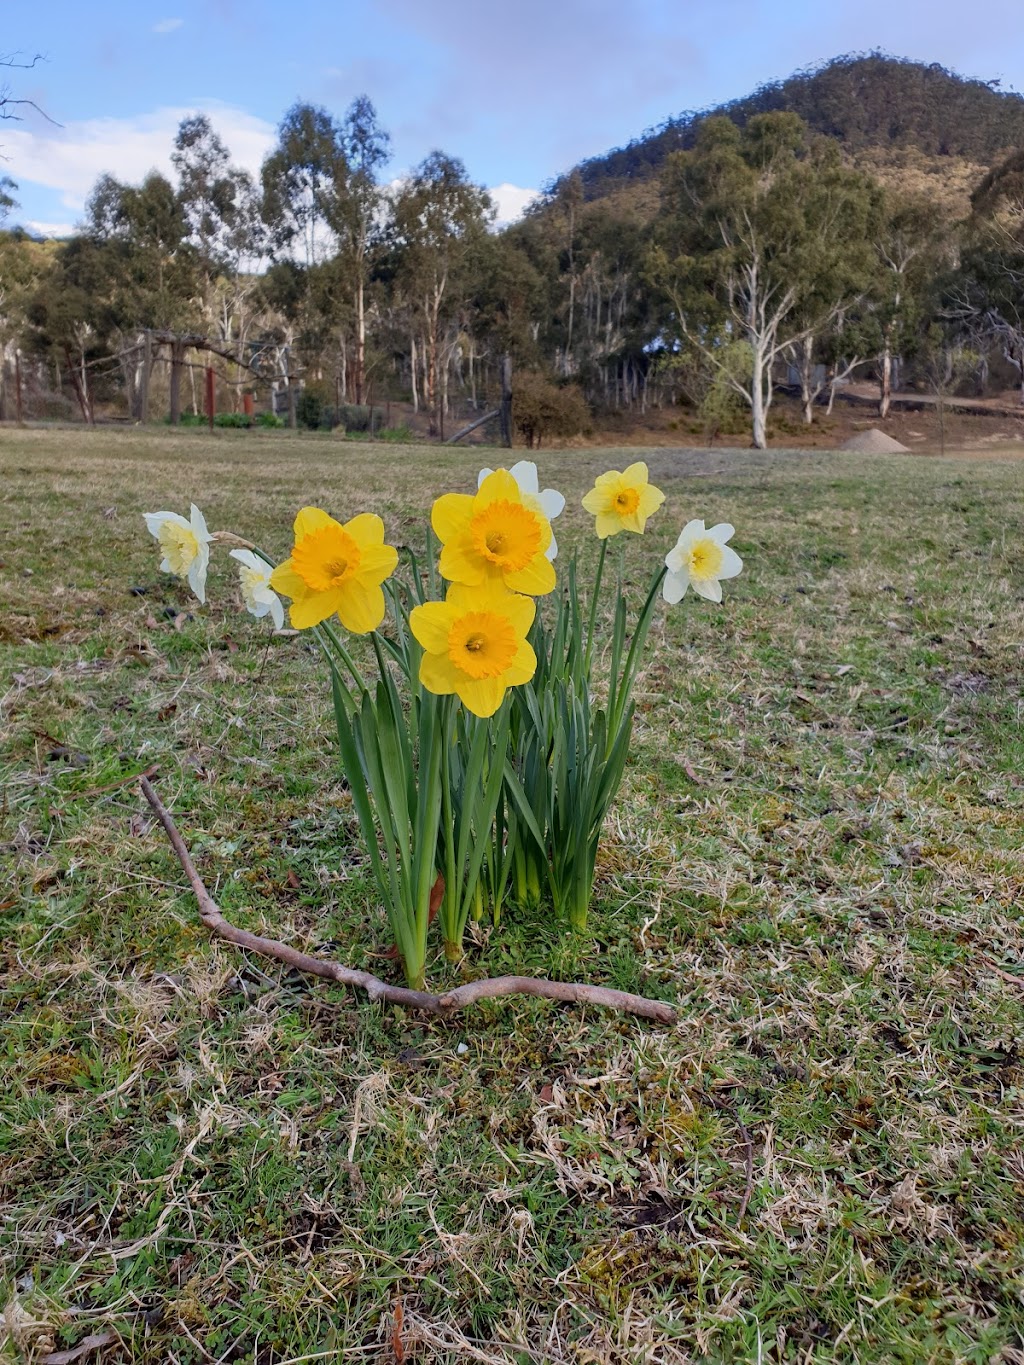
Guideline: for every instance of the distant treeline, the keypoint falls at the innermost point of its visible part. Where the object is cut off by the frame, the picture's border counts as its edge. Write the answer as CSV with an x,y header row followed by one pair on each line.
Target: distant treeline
x,y
757,253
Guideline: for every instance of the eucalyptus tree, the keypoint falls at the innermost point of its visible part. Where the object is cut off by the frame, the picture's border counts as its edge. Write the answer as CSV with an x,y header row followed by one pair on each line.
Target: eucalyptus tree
x,y
439,220
355,215
989,286
750,247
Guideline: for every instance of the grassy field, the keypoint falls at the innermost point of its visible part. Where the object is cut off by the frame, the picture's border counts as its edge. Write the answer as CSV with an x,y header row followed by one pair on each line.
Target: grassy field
x,y
818,854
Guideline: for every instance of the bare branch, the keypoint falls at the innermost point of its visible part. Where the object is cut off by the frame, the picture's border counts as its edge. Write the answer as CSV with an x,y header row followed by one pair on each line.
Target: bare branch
x,y
472,991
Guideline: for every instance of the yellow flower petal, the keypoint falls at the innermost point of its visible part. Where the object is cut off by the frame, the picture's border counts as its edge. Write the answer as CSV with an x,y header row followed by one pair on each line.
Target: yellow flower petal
x,y
438,674
651,499
608,524
285,579
316,607
310,519
523,666
536,579
635,474
459,564
450,516
482,696
430,624
596,500
362,607
498,487
377,562
366,530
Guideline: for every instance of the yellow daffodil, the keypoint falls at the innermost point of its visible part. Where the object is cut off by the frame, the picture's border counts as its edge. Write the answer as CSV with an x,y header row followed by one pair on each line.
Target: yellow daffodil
x,y
257,594
700,559
475,644
623,501
185,546
494,536
336,568
549,502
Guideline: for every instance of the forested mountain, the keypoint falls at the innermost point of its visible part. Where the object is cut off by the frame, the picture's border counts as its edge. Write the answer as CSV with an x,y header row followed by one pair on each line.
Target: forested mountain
x,y
863,102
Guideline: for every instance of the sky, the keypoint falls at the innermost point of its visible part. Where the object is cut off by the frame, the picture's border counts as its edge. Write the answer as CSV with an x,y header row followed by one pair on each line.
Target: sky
x,y
520,92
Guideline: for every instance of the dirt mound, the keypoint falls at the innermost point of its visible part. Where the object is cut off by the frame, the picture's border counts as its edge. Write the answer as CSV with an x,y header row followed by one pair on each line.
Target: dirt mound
x,y
874,442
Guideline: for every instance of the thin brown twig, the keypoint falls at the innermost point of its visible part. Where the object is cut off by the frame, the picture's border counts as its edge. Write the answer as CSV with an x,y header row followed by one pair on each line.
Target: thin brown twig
x,y
459,998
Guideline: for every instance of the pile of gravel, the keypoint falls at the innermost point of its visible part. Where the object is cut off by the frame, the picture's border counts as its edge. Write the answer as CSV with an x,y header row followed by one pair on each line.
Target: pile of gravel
x,y
873,442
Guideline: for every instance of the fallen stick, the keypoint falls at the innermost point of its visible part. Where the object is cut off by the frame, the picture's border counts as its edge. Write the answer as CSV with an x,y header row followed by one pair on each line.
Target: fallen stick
x,y
469,994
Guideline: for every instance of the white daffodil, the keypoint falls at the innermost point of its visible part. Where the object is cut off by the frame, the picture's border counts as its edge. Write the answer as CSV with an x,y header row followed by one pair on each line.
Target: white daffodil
x,y
701,559
549,503
185,546
259,597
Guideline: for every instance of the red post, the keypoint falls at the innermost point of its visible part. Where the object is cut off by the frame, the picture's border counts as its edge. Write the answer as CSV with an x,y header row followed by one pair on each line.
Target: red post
x,y
248,406
211,394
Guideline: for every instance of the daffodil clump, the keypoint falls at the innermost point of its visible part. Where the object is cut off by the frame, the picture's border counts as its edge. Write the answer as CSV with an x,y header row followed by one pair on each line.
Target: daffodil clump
x,y
483,754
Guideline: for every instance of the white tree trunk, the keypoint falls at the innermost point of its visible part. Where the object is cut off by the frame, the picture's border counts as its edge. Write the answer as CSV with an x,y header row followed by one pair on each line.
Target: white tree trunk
x,y
758,407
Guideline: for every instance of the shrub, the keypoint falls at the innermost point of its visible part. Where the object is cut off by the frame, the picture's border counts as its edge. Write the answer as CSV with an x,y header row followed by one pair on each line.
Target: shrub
x,y
234,420
311,411
356,417
541,408
270,420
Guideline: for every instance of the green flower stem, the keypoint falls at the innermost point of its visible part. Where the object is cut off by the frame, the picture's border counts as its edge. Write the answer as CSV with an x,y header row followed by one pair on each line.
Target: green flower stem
x,y
452,881
593,607
343,654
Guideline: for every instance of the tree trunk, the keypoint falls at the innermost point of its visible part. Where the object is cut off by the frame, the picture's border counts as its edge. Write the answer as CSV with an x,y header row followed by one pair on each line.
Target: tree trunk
x,y
758,408
360,367
412,372
807,394
177,359
885,380
76,385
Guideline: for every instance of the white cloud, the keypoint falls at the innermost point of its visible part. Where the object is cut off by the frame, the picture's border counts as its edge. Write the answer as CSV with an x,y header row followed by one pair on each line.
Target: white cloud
x,y
47,229
70,159
167,25
511,201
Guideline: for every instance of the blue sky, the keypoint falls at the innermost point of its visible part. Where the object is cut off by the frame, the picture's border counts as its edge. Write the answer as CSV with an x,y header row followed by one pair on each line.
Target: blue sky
x,y
520,91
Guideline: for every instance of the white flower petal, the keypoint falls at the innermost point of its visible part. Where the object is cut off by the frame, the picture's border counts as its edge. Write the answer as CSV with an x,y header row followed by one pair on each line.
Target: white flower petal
x,y
199,525
731,563
552,503
197,571
552,551
674,587
154,520
689,533
525,474
277,612
709,588
722,532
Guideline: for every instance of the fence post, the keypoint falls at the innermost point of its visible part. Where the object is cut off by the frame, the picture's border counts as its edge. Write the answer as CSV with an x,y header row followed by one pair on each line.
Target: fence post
x,y
211,394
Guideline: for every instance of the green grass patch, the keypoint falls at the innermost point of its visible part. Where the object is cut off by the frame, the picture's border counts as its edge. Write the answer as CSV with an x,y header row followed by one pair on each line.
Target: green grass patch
x,y
817,855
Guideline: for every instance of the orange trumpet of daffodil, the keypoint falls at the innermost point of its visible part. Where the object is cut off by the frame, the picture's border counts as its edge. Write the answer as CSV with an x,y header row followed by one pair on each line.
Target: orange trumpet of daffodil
x,y
623,501
475,644
494,536
336,567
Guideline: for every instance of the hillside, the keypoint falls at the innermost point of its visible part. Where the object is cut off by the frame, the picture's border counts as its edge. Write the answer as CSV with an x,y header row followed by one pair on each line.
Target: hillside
x,y
891,115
